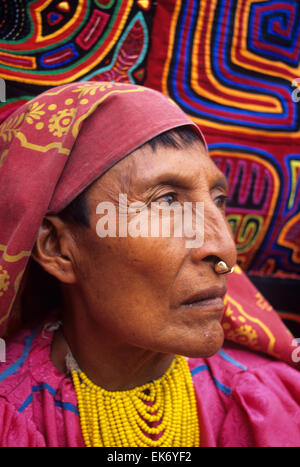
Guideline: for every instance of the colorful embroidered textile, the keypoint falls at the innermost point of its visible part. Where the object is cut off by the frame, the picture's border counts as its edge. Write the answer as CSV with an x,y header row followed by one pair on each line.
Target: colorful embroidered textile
x,y
243,399
47,43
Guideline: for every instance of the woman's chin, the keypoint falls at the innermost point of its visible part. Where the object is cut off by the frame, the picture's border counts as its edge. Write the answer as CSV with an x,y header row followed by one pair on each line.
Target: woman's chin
x,y
208,345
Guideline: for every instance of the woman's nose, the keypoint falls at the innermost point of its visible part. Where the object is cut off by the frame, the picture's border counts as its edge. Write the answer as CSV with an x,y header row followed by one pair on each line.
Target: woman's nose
x,y
218,242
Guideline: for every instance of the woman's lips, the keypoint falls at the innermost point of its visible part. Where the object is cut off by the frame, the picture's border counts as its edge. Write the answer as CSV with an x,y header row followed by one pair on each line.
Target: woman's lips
x,y
216,303
208,298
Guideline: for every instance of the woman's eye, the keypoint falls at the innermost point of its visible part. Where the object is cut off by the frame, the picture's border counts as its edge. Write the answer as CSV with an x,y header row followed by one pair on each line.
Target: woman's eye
x,y
221,201
168,198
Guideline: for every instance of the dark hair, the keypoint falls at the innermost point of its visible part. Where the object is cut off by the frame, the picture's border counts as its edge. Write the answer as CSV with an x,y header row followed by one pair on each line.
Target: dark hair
x,y
77,213
177,138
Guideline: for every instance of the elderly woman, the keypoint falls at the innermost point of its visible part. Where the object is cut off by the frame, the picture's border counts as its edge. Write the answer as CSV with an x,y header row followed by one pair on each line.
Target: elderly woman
x,y
119,322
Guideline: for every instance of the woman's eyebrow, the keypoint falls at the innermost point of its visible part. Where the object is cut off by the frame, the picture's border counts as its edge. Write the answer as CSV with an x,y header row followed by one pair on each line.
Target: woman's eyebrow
x,y
175,180
221,182
186,181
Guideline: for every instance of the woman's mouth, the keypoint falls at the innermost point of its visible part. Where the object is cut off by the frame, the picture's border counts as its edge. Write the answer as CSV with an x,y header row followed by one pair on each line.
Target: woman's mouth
x,y
211,298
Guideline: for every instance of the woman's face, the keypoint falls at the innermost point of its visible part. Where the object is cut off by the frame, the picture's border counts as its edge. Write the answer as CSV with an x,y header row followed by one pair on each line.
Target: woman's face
x,y
149,292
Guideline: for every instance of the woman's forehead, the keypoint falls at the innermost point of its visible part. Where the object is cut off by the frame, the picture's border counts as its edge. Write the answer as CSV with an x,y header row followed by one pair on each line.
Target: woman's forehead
x,y
145,168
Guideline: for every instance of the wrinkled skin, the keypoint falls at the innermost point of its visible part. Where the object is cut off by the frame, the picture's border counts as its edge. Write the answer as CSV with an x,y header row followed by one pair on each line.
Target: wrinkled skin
x,y
125,311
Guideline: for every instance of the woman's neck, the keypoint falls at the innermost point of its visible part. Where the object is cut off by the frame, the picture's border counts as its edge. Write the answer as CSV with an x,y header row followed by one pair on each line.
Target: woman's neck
x,y
112,366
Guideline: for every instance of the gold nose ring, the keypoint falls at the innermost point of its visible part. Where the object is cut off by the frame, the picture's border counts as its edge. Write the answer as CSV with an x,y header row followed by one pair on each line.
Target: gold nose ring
x,y
222,268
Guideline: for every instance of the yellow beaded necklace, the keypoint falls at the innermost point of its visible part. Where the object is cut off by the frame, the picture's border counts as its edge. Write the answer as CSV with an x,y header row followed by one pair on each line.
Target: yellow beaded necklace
x,y
160,413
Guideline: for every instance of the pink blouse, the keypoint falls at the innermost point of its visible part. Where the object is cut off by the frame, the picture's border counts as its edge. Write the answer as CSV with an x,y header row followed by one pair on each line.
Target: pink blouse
x,y
244,399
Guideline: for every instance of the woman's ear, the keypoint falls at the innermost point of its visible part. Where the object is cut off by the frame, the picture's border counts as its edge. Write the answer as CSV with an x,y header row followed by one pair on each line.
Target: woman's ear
x,y
54,249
